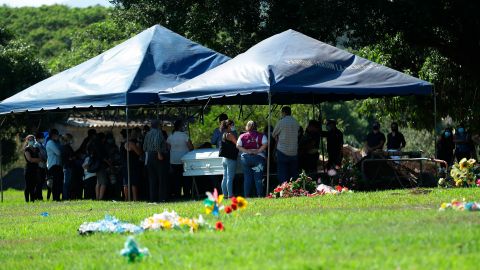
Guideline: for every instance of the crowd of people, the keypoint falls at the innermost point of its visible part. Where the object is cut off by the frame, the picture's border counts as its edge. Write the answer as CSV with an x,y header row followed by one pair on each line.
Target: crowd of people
x,y
99,168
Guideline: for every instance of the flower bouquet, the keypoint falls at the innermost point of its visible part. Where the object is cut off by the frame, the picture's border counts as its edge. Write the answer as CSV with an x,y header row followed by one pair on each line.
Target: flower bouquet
x,y
303,186
465,173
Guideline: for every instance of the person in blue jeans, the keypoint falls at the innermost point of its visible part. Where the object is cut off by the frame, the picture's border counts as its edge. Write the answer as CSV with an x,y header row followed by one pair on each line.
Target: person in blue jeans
x,y
286,135
229,152
252,145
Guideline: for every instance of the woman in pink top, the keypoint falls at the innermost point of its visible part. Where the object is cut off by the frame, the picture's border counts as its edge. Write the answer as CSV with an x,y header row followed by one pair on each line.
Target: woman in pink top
x,y
252,145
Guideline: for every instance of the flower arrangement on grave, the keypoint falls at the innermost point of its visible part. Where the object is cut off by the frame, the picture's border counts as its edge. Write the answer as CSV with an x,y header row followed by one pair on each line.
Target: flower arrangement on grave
x,y
303,186
465,173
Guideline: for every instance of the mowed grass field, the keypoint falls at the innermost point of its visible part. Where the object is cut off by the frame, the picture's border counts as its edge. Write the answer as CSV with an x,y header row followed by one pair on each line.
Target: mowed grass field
x,y
398,229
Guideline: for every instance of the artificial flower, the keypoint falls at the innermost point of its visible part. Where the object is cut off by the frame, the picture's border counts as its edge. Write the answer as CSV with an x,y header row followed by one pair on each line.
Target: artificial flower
x,y
234,206
463,163
228,209
219,226
213,203
242,203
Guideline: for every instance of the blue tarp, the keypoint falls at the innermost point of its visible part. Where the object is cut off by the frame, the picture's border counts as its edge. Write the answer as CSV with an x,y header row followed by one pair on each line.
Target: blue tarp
x,y
295,68
131,73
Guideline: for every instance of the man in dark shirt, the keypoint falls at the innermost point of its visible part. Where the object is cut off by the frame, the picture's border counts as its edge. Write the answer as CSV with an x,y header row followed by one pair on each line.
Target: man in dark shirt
x,y
395,139
375,139
334,144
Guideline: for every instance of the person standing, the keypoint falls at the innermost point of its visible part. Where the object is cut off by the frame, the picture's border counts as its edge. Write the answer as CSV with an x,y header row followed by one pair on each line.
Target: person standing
x,y
54,164
134,153
42,166
395,139
179,144
308,147
32,159
229,153
286,135
154,146
445,146
463,143
218,132
374,140
68,161
334,144
252,145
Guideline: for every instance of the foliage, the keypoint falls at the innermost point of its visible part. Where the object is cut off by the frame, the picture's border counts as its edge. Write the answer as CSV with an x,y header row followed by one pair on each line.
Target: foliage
x,y
49,29
288,234
19,68
93,40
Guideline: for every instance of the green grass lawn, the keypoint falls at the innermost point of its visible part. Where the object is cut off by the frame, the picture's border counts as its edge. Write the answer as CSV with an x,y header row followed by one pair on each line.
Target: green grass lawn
x,y
380,230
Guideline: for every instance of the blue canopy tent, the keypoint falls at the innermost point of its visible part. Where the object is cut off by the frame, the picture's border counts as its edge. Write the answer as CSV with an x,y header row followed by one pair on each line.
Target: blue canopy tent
x,y
128,75
292,68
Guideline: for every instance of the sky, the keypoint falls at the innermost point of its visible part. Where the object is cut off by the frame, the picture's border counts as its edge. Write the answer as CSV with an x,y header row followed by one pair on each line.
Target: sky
x,y
71,3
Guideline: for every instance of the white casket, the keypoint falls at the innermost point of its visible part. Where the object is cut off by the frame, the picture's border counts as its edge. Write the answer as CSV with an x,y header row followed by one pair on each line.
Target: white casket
x,y
204,162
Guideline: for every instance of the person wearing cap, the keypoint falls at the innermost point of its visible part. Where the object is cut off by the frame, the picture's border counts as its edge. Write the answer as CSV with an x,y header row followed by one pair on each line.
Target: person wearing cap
x,y
218,132
286,135
374,140
155,147
334,144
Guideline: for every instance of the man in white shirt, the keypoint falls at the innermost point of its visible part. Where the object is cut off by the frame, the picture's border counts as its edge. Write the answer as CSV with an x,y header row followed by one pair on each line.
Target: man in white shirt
x,y
179,144
286,135
54,164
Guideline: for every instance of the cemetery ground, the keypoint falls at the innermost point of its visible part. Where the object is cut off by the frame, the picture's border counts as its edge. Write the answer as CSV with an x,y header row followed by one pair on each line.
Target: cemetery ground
x,y
394,229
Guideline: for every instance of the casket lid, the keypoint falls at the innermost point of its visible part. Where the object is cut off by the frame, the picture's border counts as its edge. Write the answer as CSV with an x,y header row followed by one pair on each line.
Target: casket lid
x,y
199,154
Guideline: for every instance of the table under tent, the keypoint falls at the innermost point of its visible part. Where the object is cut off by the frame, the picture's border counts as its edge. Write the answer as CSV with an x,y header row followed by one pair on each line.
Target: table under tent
x,y
127,76
292,68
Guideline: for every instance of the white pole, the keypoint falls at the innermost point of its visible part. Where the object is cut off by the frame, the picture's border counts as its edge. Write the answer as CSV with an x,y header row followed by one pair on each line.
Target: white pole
x,y
269,139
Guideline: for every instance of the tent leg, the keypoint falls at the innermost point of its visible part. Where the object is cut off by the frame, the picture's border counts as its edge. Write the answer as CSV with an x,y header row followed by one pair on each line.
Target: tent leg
x,y
320,118
1,161
128,156
434,118
269,139
1,169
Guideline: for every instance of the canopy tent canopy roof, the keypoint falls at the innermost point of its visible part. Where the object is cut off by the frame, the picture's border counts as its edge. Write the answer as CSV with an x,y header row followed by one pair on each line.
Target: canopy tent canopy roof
x,y
294,68
130,74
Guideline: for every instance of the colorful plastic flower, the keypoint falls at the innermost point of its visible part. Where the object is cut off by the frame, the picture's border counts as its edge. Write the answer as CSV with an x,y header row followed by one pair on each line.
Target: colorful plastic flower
x,y
219,226
213,203
242,203
234,206
228,209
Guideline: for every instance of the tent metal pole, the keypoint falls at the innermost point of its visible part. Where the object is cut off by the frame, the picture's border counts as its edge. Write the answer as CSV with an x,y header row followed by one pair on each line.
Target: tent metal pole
x,y
434,118
269,139
128,156
1,169
321,138
1,160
